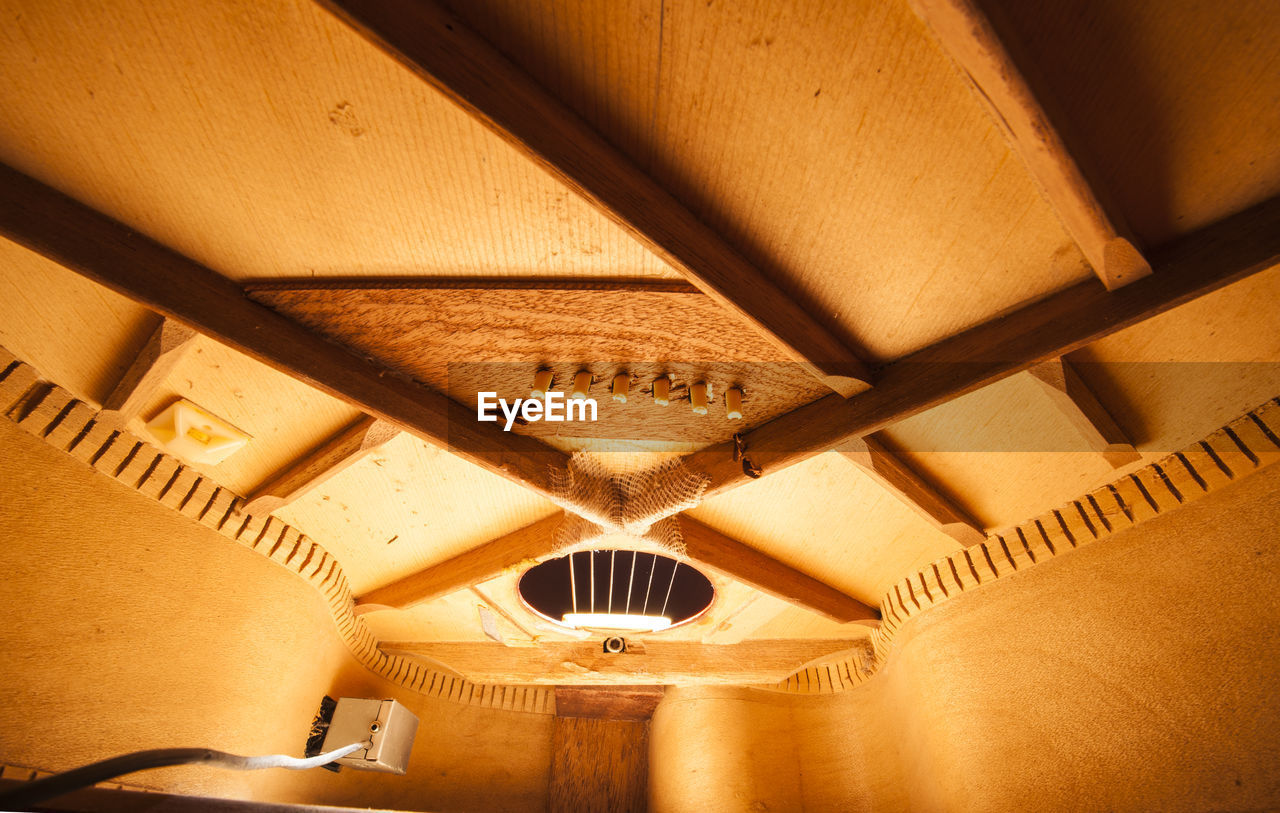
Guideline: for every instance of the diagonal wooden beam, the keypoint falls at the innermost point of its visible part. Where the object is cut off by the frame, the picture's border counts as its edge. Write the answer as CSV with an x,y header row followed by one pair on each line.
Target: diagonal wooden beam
x,y
524,546
705,547
670,663
111,254
440,50
967,36
166,346
1216,256
894,474
321,463
1087,415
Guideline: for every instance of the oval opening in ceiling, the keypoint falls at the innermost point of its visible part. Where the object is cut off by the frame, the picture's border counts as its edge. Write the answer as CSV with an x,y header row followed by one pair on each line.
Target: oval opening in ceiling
x,y
616,591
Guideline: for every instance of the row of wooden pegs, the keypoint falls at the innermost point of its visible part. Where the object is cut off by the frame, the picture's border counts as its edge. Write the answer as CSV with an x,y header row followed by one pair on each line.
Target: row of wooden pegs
x,y
700,394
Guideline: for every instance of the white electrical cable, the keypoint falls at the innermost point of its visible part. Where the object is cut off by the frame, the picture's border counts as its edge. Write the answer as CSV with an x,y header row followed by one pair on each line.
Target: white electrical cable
x,y
33,793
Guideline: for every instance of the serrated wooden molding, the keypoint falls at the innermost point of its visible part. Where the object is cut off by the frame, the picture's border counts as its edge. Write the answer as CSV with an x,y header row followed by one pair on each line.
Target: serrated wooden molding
x,y
100,440
1234,451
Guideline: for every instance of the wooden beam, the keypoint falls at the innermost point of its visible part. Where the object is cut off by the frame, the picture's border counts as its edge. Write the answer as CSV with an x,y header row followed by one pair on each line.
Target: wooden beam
x,y
1087,415
635,703
529,544
965,33
166,346
111,254
440,50
670,663
707,547
321,463
892,472
1186,269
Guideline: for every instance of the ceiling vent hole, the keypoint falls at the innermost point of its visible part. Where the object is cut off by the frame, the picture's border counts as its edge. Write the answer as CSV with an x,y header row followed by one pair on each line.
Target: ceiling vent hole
x,y
616,591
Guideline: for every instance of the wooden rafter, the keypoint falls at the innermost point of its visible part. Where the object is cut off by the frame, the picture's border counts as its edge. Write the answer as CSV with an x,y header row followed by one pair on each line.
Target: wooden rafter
x,y
671,663
323,462
166,346
467,70
705,547
898,478
111,254
1196,265
1072,396
967,36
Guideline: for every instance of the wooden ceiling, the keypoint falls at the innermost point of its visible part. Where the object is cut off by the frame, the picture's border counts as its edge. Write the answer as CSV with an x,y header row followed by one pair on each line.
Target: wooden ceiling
x,y
850,195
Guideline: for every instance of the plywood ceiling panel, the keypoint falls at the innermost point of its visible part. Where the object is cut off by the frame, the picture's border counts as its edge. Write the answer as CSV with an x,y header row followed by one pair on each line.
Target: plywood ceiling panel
x,y
832,142
78,333
264,139
1170,380
469,340
830,520
1177,102
1005,452
407,506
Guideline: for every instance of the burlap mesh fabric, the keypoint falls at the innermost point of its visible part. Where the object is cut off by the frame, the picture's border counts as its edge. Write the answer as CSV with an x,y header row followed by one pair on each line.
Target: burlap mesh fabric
x,y
640,504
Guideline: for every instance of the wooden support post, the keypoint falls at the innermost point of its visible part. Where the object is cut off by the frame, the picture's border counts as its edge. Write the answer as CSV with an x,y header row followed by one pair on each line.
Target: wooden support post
x,y
477,565
111,254
1191,267
635,703
1087,415
966,35
321,463
707,547
889,470
167,345
427,40
670,663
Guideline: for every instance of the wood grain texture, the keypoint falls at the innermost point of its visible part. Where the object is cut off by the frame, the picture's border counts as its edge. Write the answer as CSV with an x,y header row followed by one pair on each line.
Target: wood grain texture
x,y
889,470
1087,415
444,53
524,546
599,765
1214,257
1172,103
496,336
965,34
107,252
671,663
633,703
163,350
320,464
711,549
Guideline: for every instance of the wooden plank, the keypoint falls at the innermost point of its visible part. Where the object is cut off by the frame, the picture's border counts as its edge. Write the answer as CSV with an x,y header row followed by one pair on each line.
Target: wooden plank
x,y
326,460
966,35
478,565
1194,266
164,349
439,49
495,337
670,663
892,472
598,765
634,703
707,547
178,288
1078,403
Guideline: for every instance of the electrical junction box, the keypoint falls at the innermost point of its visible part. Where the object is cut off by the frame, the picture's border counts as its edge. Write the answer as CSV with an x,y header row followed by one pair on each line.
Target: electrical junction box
x,y
385,726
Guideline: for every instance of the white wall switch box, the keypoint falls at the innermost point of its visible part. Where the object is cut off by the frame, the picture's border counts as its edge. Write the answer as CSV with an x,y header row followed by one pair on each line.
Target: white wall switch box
x,y
385,726
188,432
